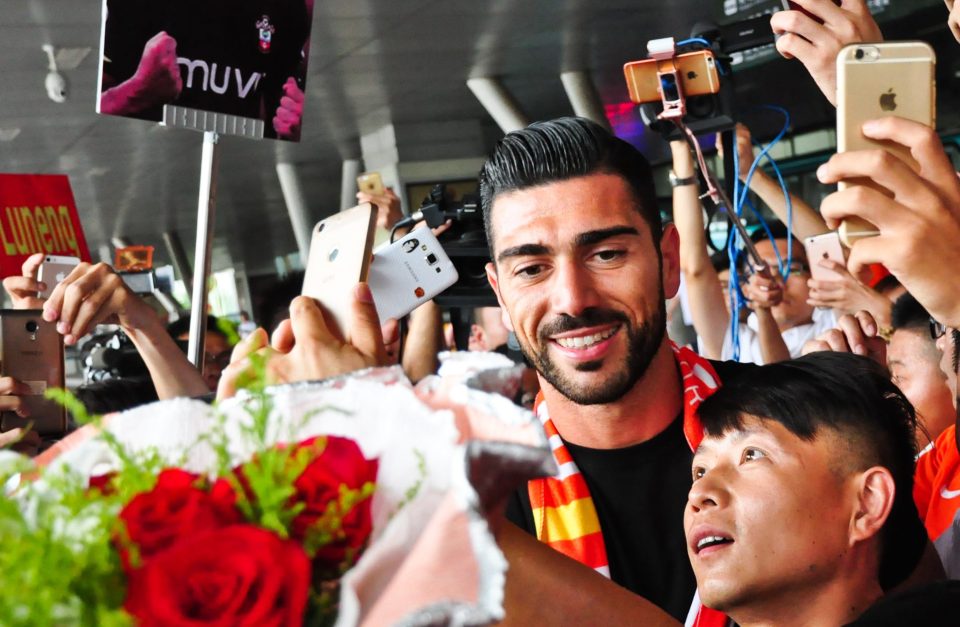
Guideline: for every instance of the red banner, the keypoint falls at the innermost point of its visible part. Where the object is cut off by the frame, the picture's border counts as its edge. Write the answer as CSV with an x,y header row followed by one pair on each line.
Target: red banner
x,y
38,214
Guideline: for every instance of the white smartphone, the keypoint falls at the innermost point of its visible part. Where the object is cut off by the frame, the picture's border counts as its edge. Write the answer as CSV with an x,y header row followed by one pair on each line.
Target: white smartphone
x,y
408,273
53,270
820,247
339,259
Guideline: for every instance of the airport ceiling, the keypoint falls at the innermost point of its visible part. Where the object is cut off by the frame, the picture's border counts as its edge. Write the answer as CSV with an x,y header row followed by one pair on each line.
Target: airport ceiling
x,y
372,62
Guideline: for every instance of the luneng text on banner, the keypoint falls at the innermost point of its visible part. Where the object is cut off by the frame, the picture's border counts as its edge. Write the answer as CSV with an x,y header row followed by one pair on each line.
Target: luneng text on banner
x,y
37,214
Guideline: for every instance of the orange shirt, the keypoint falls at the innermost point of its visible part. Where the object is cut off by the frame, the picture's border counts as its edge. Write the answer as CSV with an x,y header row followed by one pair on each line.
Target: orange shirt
x,y
936,491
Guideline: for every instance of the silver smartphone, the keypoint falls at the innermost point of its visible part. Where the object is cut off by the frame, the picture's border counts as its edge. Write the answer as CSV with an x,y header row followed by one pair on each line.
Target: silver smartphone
x,y
408,273
53,270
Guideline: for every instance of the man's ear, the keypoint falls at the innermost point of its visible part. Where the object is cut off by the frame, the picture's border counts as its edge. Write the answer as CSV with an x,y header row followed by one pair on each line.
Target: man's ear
x,y
875,492
670,254
494,281
477,340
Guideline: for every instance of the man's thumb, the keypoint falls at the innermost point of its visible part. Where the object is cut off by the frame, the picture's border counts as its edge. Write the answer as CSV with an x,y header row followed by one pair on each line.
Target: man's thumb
x,y
365,333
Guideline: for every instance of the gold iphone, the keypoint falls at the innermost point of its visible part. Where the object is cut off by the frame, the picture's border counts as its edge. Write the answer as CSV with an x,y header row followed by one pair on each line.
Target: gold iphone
x,y
875,80
697,72
339,259
371,183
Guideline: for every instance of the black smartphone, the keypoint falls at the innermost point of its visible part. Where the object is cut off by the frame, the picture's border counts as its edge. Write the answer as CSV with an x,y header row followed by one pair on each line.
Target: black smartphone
x,y
790,5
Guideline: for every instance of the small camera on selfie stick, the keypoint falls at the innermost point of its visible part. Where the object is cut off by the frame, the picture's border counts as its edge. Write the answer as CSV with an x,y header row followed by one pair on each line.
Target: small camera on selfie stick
x,y
673,83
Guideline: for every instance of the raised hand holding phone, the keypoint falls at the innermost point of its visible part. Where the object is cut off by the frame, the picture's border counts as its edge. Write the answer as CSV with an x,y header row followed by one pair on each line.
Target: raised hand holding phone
x,y
875,81
919,221
304,348
814,31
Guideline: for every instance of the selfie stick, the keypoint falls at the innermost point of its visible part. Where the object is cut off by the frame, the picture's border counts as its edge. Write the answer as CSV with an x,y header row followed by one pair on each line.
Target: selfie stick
x,y
212,125
674,107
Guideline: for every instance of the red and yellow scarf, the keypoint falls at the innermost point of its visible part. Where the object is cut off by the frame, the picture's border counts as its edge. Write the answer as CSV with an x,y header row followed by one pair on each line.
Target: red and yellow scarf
x,y
563,511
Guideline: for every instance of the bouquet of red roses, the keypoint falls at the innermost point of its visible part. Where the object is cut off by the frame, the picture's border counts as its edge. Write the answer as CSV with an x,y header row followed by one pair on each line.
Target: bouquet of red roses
x,y
257,546
257,511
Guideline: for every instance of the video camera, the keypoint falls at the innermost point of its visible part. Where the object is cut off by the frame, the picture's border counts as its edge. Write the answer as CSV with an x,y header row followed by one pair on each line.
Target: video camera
x,y
465,242
110,355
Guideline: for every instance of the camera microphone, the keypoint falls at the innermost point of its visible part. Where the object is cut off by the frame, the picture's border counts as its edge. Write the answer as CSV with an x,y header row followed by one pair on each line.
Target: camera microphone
x,y
409,220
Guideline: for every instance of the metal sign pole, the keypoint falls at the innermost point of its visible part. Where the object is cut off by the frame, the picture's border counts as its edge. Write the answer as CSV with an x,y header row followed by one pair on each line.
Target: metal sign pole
x,y
213,126
206,205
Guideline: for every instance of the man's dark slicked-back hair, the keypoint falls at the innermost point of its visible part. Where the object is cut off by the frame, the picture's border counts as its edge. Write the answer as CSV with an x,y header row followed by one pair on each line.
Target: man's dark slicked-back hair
x,y
853,397
562,149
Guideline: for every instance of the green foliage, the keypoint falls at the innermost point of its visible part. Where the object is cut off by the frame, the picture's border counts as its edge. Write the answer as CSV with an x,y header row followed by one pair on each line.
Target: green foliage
x,y
229,330
414,489
59,563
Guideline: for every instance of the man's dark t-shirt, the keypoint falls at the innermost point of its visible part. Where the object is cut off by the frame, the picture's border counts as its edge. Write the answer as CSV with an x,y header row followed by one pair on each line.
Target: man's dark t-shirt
x,y
224,64
927,605
640,493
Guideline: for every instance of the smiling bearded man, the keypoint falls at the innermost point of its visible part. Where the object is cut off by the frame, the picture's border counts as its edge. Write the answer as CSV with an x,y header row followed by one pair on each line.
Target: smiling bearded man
x,y
581,268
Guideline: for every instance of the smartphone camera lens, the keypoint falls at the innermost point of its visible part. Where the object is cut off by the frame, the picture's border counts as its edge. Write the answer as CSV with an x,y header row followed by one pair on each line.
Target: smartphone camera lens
x,y
858,54
32,326
431,259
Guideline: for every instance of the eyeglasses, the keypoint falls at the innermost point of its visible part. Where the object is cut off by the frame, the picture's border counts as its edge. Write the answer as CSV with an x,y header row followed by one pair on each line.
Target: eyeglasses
x,y
794,267
798,267
937,329
222,360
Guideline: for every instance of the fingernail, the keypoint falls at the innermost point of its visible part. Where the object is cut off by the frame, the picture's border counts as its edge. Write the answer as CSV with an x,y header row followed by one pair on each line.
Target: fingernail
x,y
870,126
822,172
69,340
860,349
363,293
42,286
49,315
62,327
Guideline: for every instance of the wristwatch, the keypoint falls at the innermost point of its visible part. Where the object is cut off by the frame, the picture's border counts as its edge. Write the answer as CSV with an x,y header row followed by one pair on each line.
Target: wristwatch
x,y
678,182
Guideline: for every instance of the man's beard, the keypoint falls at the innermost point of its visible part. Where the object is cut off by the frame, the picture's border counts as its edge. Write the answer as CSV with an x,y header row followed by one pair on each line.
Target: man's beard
x,y
642,345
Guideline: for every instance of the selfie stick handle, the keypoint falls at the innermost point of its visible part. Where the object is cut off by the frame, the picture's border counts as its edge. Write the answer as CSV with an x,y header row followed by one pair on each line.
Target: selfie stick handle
x,y
665,52
718,196
206,214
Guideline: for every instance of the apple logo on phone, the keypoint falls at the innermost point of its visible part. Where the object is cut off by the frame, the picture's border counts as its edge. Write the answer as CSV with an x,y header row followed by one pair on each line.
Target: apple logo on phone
x,y
888,100
60,277
333,254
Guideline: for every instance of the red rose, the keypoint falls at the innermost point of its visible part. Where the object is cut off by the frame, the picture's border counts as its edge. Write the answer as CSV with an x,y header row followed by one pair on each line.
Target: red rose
x,y
102,483
234,576
174,508
340,464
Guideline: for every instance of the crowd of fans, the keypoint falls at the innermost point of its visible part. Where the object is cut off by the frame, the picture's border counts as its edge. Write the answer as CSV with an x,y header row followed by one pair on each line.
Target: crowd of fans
x,y
812,481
